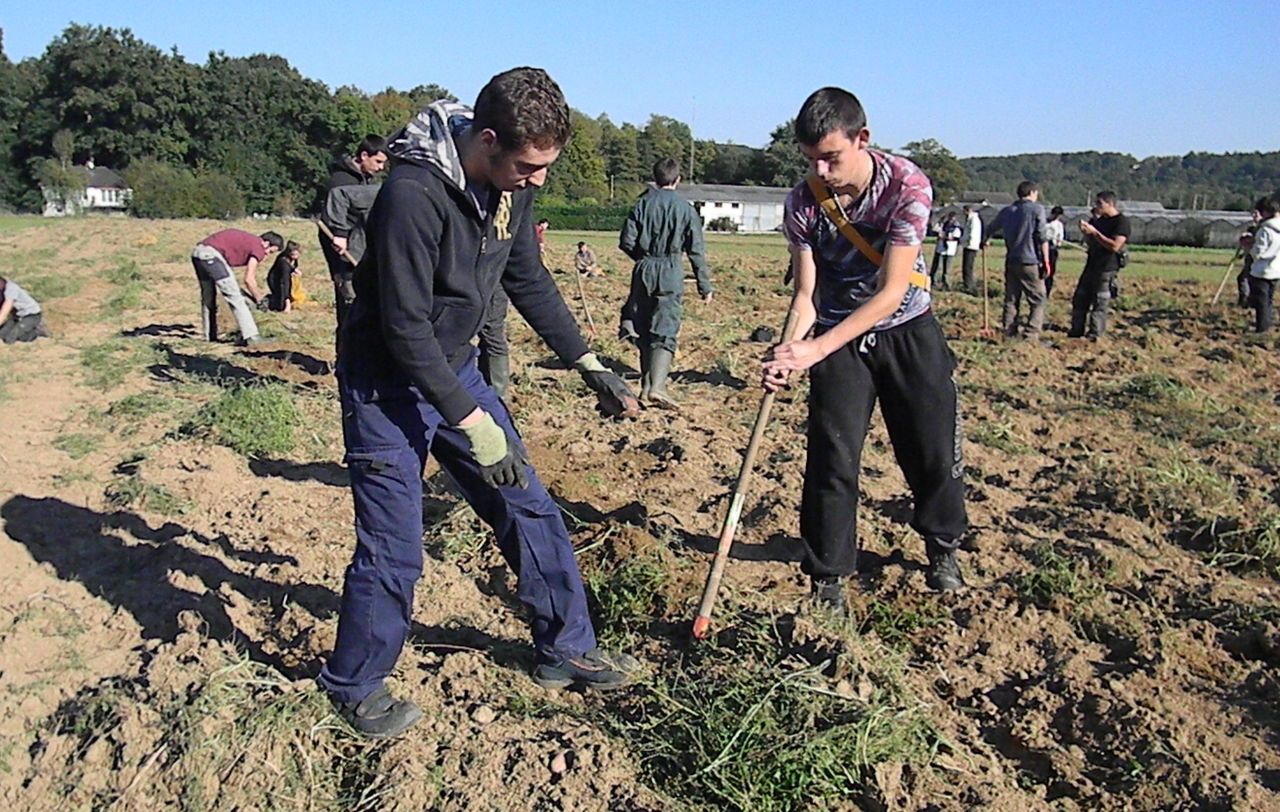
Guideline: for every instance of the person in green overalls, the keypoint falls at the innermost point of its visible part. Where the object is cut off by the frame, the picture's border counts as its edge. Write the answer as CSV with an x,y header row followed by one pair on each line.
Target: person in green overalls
x,y
659,229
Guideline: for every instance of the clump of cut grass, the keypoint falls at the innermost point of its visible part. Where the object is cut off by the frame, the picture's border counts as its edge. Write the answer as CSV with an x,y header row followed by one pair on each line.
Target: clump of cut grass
x,y
106,365
755,730
253,420
895,622
52,286
129,490
999,436
1057,575
209,743
76,445
128,287
630,594
1255,546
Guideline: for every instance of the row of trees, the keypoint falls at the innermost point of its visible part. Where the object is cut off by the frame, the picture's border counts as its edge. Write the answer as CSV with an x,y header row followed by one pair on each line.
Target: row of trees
x,y
1196,180
250,133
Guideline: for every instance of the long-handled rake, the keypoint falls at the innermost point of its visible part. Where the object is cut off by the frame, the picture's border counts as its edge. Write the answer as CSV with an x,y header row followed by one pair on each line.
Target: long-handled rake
x,y
1225,277
702,623
329,234
582,294
986,331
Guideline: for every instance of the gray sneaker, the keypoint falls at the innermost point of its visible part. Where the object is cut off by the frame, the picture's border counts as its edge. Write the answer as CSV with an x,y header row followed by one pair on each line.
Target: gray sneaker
x,y
380,715
597,670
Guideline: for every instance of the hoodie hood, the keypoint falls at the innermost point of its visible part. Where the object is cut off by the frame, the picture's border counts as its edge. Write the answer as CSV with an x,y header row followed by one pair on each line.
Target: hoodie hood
x,y
429,139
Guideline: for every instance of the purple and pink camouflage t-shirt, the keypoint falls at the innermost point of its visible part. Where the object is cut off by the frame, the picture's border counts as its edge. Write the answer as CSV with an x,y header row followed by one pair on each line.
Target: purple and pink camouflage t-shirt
x,y
893,211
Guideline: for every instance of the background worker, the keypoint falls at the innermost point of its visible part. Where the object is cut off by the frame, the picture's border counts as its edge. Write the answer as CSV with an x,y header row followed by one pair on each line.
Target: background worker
x,y
281,276
1264,271
972,241
1105,237
1023,224
213,259
585,263
1055,233
662,225
358,170
21,318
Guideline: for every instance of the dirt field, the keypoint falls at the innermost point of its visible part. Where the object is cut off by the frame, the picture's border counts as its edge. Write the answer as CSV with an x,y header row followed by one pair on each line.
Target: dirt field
x,y
174,524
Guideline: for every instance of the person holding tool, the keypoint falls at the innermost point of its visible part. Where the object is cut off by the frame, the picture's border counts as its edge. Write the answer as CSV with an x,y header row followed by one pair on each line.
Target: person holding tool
x,y
856,227
453,221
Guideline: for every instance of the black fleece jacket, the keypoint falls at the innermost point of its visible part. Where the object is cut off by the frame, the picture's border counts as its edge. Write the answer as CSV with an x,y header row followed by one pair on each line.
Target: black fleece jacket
x,y
431,267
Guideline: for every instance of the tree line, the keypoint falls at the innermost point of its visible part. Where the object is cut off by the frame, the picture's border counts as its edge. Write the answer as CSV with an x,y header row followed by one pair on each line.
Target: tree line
x,y
252,134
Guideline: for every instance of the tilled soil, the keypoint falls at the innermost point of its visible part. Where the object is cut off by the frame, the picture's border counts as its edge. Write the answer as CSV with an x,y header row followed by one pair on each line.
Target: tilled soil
x,y
155,572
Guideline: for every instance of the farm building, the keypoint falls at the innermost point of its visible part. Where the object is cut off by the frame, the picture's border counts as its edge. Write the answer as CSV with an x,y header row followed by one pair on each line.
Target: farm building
x,y
1151,222
104,191
751,209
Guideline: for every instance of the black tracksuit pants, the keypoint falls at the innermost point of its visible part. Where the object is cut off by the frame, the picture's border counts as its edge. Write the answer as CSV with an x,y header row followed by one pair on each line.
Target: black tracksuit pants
x,y
909,369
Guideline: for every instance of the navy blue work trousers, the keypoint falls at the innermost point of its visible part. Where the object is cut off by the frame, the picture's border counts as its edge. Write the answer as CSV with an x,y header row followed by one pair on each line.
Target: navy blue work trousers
x,y
389,429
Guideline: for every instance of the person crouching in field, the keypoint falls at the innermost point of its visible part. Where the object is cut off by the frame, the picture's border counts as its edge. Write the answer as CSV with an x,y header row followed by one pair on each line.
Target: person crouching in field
x,y
855,228
1265,268
281,277
585,261
20,316
213,260
661,227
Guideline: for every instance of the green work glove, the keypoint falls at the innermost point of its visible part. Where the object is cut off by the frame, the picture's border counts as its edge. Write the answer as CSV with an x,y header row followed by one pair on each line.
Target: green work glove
x,y
501,462
616,399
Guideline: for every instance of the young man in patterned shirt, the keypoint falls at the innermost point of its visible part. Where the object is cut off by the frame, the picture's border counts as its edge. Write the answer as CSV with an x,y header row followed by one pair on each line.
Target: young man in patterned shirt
x,y
867,331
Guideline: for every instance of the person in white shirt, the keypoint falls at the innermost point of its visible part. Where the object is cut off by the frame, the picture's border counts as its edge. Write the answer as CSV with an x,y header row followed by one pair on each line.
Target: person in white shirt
x,y
1055,234
972,243
1265,270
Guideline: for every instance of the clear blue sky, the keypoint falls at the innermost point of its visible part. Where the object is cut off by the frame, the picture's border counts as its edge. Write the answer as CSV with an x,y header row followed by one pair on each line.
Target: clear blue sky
x,y
989,78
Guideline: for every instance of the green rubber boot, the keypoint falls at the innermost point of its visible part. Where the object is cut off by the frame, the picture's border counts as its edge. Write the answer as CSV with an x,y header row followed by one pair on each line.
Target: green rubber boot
x,y
660,360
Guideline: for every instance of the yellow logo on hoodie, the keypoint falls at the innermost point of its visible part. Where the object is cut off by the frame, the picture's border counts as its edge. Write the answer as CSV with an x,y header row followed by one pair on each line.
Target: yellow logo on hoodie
x,y
502,218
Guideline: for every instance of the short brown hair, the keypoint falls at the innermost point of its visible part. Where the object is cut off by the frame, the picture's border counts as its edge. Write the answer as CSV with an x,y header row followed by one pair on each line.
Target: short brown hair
x,y
524,106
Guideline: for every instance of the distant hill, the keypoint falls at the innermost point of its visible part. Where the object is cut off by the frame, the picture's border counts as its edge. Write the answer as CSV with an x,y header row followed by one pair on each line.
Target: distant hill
x,y
1230,181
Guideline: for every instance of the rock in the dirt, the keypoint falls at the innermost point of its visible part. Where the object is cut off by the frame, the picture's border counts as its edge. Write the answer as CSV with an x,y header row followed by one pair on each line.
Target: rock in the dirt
x,y
560,763
483,715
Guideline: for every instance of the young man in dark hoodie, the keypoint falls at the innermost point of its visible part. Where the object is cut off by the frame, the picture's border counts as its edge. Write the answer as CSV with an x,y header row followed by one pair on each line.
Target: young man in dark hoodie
x,y
369,160
454,220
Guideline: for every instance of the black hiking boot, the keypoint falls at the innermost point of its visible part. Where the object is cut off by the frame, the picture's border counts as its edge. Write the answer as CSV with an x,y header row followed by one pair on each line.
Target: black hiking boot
x,y
828,593
380,715
597,670
943,574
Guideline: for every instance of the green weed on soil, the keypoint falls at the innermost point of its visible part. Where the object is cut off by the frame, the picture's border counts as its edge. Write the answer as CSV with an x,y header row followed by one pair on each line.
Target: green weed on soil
x,y
130,490
750,730
253,420
629,594
127,285
76,445
1056,574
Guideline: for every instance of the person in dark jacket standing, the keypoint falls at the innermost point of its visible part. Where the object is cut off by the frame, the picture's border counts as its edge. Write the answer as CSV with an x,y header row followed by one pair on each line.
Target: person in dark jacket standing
x,y
659,229
1105,236
454,220
369,160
